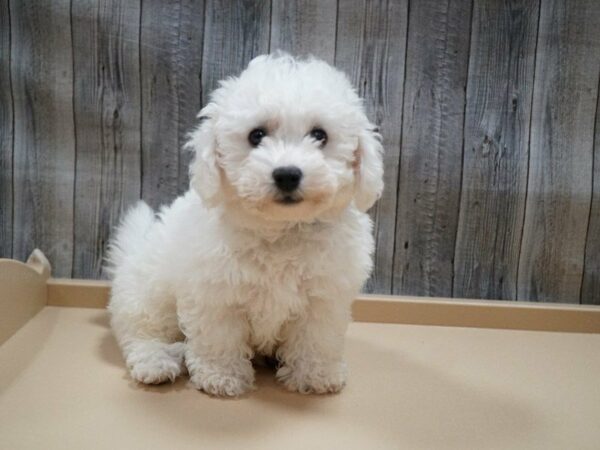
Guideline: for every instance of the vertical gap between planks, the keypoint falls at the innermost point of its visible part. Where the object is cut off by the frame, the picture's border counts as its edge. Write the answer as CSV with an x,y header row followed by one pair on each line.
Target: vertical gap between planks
x,y
587,232
73,231
462,155
201,75
363,95
179,87
537,41
141,101
270,25
408,2
12,150
335,35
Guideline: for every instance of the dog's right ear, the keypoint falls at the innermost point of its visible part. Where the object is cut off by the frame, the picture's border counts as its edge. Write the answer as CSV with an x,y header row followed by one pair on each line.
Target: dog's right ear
x,y
369,167
205,176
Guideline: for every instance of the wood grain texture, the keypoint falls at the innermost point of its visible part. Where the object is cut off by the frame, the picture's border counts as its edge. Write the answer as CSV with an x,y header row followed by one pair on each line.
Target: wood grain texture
x,y
492,177
171,59
560,171
590,290
6,135
499,96
304,27
432,142
44,162
235,32
107,124
371,45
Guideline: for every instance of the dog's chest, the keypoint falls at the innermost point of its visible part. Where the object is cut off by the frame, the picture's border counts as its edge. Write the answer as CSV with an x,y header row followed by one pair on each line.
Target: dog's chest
x,y
267,315
277,292
285,263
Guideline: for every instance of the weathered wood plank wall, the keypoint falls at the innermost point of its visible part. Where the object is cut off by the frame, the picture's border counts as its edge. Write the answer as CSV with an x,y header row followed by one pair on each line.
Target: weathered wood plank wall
x,y
590,289
561,147
371,48
431,152
41,64
6,135
488,109
106,103
496,148
170,52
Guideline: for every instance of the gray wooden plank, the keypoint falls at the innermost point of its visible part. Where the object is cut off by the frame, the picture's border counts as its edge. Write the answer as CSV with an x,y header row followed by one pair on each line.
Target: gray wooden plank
x,y
304,27
189,64
590,290
371,45
560,171
235,32
107,123
171,59
6,135
432,142
44,157
499,96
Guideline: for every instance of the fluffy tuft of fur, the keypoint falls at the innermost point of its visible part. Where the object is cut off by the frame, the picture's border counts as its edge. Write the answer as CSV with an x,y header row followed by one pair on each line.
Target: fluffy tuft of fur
x,y
130,235
236,267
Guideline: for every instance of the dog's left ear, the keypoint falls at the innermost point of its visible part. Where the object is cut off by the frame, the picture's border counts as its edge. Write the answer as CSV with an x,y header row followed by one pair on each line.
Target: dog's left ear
x,y
205,176
369,168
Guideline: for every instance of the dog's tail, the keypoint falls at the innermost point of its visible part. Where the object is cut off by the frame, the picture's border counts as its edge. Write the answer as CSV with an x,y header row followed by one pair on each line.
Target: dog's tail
x,y
129,236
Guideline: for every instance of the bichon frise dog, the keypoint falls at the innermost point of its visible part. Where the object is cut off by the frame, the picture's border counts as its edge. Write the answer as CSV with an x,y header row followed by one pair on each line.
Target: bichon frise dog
x,y
266,251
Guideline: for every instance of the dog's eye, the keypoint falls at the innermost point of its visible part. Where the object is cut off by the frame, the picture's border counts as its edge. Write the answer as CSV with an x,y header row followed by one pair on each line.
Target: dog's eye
x,y
319,135
256,136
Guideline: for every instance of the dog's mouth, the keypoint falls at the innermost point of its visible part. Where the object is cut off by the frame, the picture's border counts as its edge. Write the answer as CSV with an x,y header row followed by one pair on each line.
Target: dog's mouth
x,y
288,200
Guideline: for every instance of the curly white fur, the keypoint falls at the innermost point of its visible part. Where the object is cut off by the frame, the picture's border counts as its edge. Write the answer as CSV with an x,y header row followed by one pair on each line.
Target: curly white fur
x,y
229,271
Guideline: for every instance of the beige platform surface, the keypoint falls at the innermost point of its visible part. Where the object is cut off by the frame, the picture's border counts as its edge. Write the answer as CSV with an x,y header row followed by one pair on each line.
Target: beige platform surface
x,y
63,386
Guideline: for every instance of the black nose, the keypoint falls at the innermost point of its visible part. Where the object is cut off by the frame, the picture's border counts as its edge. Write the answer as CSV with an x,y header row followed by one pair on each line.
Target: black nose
x,y
287,179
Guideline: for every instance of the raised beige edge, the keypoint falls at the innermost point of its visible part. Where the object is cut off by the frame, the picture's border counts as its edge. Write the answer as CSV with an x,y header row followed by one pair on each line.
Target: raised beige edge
x,y
478,313
398,309
78,293
22,291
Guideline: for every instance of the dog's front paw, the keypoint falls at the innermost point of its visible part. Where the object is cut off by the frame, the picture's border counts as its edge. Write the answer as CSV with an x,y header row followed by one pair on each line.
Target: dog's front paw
x,y
222,379
313,378
156,362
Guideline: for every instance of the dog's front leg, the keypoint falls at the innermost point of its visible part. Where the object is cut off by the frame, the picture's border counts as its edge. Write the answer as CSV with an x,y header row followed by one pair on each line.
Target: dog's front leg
x,y
312,353
217,351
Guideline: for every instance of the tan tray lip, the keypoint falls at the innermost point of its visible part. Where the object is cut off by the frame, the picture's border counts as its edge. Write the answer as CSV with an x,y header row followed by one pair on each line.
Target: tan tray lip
x,y
17,298
499,314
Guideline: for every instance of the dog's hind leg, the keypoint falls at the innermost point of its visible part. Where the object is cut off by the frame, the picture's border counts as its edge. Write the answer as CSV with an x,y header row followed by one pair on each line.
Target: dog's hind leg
x,y
151,342
143,312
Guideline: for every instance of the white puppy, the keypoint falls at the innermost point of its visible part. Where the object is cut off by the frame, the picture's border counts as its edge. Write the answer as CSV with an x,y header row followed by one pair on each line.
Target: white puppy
x,y
267,250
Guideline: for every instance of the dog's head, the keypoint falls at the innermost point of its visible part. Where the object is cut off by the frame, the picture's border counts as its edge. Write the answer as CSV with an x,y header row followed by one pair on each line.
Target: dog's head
x,y
287,140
